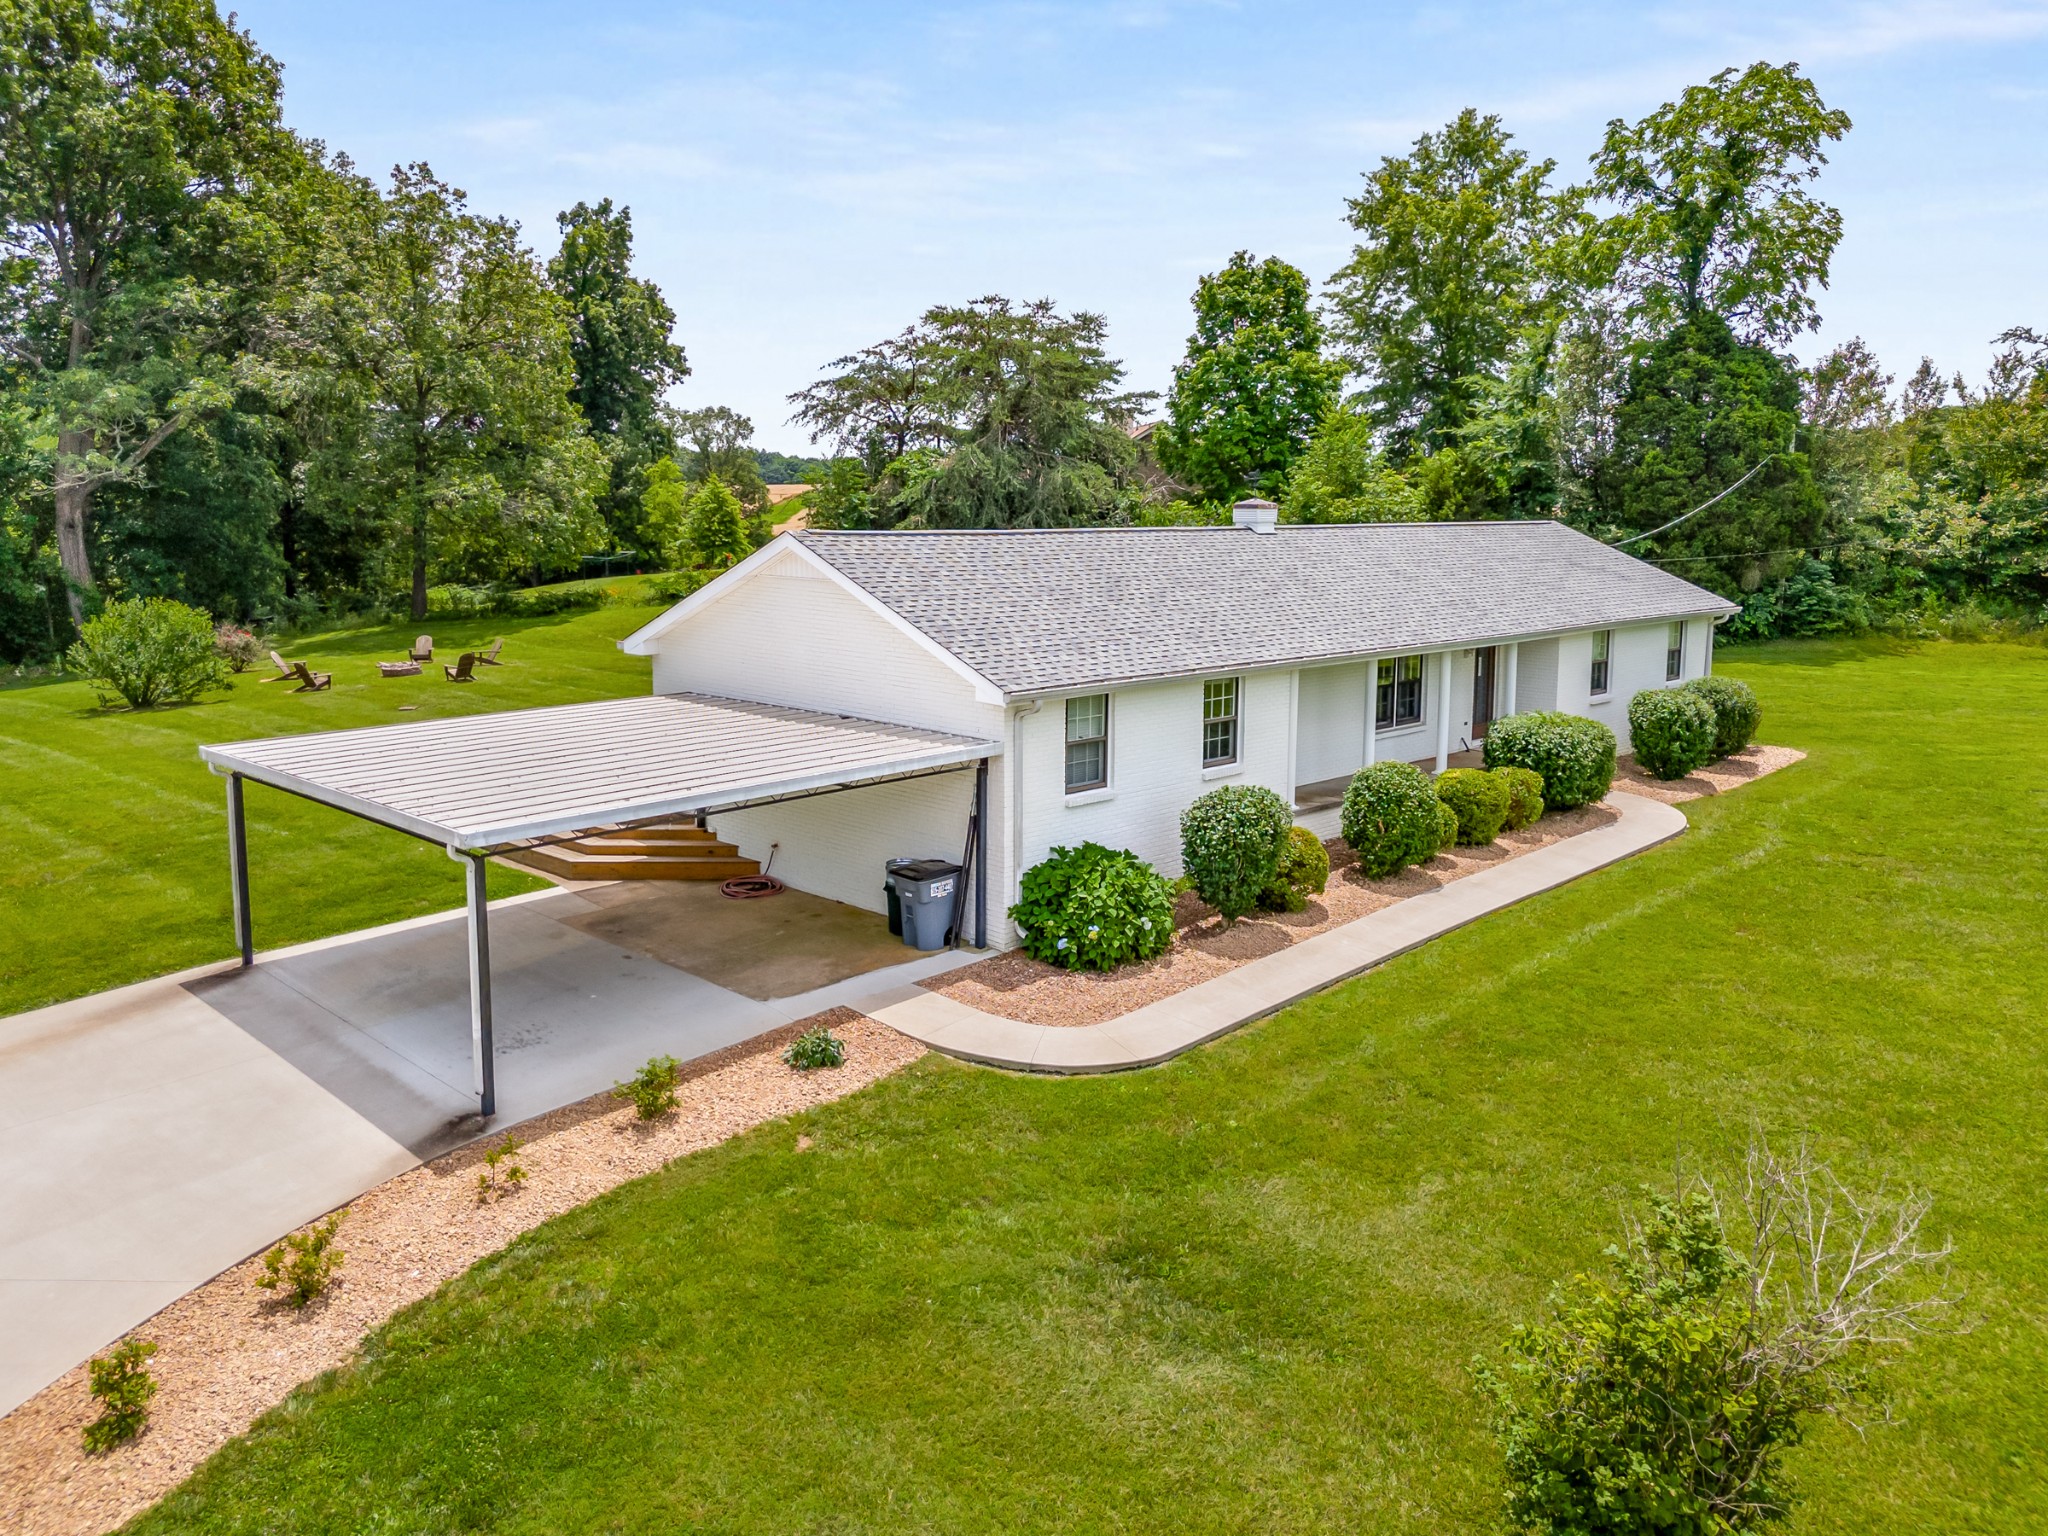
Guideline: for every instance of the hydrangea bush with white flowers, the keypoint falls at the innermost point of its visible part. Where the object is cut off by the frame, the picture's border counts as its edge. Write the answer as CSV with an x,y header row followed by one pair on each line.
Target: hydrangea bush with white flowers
x,y
1094,908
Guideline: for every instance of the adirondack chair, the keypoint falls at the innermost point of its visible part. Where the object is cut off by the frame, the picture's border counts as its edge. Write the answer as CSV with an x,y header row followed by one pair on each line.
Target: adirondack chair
x,y
284,670
422,649
465,664
310,681
489,658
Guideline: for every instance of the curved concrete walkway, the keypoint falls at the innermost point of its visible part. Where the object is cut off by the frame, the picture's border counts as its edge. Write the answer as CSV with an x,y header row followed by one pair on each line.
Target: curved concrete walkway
x,y
1174,1024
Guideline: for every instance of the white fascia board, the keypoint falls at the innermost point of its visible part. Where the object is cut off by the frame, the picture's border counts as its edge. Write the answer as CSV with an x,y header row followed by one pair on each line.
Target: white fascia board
x,y
640,642
484,838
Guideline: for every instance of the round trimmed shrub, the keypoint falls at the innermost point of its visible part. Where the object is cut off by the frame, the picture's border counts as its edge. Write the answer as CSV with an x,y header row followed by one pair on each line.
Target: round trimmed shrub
x,y
1670,731
1479,800
148,650
1303,871
1446,827
1737,714
1093,908
1389,817
1230,845
1525,796
1573,756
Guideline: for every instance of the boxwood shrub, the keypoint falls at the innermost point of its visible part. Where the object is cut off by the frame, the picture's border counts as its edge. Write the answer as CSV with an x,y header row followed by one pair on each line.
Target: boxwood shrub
x,y
1230,846
1573,756
1303,871
1479,800
1390,818
1670,731
1446,827
1094,908
1525,796
1737,714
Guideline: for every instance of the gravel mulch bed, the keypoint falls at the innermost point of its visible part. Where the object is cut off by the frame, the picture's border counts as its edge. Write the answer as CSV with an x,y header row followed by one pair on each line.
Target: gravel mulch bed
x,y
227,1351
1731,772
1015,986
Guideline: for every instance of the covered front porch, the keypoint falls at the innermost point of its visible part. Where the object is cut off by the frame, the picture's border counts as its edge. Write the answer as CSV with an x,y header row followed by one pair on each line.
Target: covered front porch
x,y
577,973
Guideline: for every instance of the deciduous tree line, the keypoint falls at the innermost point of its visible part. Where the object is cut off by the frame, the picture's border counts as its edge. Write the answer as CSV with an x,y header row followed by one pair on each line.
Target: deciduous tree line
x,y
1501,344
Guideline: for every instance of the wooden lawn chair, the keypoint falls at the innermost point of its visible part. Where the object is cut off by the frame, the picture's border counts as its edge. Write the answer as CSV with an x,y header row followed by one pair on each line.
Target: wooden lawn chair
x,y
284,670
422,649
310,681
465,664
490,658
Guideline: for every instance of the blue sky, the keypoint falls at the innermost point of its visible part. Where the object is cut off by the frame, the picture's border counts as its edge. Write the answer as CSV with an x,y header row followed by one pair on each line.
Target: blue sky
x,y
805,179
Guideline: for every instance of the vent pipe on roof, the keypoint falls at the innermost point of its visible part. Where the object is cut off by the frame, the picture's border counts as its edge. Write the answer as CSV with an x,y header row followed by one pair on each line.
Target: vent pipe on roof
x,y
1259,516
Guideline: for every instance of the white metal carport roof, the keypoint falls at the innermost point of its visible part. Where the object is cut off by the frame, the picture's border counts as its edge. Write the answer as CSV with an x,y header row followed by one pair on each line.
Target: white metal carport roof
x,y
484,782
487,781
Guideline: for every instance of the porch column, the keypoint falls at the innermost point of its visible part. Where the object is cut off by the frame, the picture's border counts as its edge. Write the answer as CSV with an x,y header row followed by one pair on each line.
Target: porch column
x,y
1443,708
482,1056
1372,710
1514,658
238,871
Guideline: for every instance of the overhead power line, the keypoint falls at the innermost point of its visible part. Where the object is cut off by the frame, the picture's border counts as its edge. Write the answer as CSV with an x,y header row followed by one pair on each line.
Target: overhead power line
x,y
1635,538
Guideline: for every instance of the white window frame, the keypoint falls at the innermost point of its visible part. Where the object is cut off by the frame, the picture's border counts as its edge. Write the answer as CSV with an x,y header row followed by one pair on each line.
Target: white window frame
x,y
1600,675
1235,719
1069,741
1674,651
1394,720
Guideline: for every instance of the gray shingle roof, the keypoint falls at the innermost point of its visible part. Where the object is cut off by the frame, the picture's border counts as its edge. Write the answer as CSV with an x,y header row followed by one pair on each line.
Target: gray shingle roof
x,y
1039,611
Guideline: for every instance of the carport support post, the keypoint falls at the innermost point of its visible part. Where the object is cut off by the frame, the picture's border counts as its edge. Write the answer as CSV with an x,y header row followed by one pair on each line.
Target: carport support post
x,y
238,871
981,855
480,984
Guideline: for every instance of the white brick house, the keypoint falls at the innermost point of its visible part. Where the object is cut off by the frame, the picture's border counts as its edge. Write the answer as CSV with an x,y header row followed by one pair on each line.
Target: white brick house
x,y
1127,670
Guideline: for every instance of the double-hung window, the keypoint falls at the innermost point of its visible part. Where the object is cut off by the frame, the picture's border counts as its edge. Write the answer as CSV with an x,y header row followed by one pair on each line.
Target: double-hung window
x,y
1398,696
1602,643
1674,652
1087,742
1219,722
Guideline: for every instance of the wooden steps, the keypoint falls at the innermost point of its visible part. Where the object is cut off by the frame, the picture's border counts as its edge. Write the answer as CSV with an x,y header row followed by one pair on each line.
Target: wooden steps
x,y
671,851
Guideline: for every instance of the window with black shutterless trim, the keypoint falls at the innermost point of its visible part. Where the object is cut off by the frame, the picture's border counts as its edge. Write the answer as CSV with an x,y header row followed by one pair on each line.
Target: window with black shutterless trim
x,y
1398,695
1087,742
1674,652
1602,643
1219,721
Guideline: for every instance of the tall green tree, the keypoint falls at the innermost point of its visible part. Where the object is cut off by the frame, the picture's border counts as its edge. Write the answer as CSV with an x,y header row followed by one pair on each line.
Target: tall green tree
x,y
717,533
1445,277
1248,396
621,344
1712,215
129,130
879,403
720,442
435,332
1702,410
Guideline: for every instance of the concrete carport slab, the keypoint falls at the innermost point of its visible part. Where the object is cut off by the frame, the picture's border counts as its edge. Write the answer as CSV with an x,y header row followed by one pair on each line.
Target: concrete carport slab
x,y
154,1136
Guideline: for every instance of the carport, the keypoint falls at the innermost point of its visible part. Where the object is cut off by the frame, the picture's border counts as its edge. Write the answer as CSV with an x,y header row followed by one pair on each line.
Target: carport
x,y
483,784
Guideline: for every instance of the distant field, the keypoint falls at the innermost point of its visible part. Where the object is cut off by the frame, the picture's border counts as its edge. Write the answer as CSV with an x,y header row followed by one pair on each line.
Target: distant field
x,y
1239,1293
113,835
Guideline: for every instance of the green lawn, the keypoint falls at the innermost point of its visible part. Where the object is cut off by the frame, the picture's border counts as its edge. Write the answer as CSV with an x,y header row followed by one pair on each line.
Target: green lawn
x,y
113,835
1238,1292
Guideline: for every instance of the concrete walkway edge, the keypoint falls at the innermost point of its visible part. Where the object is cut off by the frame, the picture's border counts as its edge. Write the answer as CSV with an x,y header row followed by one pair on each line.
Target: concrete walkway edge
x,y
1162,1030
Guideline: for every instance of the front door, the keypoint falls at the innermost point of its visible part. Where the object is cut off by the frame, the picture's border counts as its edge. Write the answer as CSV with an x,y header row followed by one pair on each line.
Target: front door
x,y
1482,690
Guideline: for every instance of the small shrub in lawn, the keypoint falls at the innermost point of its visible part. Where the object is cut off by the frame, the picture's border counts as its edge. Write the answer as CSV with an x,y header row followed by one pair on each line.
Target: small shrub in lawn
x,y
1446,827
1303,871
501,1172
1390,818
240,648
1094,908
1525,796
1671,732
303,1265
1230,846
815,1048
1573,756
122,1386
1737,714
653,1088
1478,799
147,651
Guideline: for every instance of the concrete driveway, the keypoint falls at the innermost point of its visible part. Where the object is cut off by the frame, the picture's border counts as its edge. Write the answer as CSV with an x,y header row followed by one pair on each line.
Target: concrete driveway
x,y
153,1136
